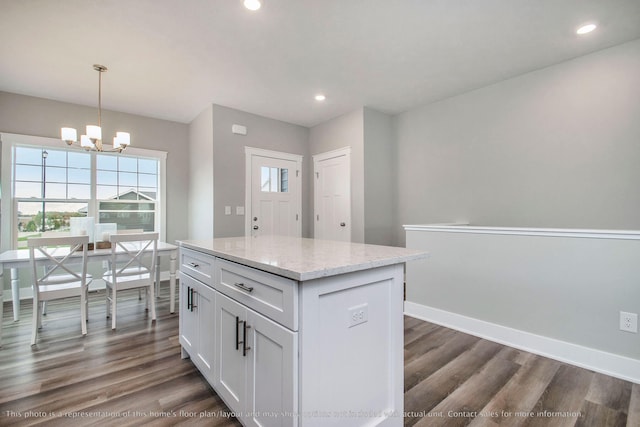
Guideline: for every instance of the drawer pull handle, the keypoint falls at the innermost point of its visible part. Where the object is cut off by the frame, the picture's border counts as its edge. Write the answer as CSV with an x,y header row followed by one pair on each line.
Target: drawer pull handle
x,y
194,265
244,339
243,287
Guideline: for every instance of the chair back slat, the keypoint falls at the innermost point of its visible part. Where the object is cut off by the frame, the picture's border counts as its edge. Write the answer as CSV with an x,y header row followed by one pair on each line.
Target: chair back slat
x,y
131,251
54,255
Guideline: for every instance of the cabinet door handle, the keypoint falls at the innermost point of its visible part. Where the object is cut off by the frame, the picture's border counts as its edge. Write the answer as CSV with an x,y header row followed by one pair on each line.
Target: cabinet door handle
x,y
238,321
189,298
193,291
194,265
243,287
244,339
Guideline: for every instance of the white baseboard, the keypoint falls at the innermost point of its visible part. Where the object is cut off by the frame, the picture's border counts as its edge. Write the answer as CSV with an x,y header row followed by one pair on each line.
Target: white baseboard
x,y
600,361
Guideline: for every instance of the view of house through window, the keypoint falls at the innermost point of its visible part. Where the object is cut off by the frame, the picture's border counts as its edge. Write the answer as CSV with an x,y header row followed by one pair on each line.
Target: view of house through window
x,y
274,180
51,186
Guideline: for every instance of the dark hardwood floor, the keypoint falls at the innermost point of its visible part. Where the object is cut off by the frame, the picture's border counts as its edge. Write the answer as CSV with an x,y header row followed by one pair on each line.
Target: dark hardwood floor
x,y
134,376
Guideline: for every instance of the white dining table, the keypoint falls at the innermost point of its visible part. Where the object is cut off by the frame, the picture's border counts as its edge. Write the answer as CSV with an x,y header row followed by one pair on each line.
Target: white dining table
x,y
19,258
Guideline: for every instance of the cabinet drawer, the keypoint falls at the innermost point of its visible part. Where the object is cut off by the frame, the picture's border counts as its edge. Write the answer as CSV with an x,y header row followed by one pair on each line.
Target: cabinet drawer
x,y
197,265
273,296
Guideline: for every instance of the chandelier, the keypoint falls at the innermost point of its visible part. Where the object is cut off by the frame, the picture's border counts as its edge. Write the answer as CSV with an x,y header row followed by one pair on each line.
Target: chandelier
x,y
92,141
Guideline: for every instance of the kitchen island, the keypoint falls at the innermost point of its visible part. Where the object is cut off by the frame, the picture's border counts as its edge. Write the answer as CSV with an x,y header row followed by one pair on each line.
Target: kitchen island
x,y
297,332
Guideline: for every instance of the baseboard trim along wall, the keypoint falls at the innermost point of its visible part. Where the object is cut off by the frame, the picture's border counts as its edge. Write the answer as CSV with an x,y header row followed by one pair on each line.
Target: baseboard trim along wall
x,y
610,364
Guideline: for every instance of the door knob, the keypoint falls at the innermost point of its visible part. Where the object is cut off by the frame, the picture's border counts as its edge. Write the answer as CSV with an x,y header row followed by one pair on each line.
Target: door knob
x,y
255,227
342,224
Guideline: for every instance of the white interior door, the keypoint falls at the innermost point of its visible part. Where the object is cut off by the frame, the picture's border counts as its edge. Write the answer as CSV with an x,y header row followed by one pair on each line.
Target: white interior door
x,y
274,207
332,195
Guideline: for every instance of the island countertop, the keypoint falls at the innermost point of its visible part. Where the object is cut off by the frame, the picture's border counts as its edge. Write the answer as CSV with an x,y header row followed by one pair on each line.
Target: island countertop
x,y
301,258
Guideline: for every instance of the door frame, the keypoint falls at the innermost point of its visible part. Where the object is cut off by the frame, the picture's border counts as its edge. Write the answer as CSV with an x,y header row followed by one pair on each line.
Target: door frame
x,y
317,158
250,153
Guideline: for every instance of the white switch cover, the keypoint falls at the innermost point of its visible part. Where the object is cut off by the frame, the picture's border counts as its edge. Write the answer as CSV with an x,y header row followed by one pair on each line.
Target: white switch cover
x,y
227,210
239,210
239,129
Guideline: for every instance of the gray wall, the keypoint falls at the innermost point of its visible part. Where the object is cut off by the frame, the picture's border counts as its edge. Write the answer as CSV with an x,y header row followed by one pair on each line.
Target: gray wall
x,y
345,131
558,147
565,288
200,189
217,170
43,117
380,178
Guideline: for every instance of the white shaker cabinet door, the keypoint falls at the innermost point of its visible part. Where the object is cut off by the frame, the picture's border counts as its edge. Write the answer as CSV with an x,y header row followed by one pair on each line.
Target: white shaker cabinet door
x,y
197,324
273,373
188,316
231,373
204,301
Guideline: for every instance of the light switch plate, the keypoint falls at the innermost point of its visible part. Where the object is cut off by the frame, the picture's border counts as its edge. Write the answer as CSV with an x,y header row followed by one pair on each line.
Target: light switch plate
x,y
239,210
227,210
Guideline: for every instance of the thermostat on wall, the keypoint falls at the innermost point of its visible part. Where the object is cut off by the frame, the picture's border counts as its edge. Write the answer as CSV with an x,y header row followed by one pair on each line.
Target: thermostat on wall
x,y
239,129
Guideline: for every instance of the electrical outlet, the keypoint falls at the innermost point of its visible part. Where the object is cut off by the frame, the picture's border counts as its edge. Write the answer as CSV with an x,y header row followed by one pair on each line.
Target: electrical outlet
x,y
629,322
358,314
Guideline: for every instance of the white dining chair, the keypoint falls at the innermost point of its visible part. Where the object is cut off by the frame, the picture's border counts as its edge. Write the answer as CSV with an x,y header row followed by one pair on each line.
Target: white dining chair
x,y
132,266
59,269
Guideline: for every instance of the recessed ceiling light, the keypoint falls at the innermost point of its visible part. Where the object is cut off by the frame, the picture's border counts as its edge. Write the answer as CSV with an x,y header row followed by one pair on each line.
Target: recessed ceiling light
x,y
252,4
320,97
586,29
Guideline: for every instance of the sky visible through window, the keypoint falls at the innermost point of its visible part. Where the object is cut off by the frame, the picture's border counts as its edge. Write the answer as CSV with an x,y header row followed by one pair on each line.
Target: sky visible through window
x,y
67,176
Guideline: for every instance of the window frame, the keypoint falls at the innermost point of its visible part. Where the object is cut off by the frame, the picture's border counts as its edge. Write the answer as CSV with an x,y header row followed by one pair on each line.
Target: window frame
x,y
9,203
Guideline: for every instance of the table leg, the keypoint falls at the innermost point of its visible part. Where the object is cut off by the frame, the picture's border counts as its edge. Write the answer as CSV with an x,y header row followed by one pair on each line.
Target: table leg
x,y
172,282
15,294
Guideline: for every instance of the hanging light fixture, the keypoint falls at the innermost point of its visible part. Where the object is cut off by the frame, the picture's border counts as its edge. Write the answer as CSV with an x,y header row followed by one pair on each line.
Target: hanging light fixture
x,y
92,141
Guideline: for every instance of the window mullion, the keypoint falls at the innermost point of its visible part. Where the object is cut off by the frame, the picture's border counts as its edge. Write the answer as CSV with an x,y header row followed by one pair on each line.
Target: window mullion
x,y
92,205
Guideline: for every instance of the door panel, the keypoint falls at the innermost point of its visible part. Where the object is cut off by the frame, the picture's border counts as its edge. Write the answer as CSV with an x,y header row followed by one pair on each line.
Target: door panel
x,y
272,375
205,305
332,191
231,375
274,193
188,316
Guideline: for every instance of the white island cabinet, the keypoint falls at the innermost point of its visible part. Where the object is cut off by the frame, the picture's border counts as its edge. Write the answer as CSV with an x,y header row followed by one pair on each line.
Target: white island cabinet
x,y
297,332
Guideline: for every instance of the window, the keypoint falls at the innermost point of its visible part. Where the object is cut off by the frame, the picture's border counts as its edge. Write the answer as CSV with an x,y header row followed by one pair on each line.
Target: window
x,y
274,180
126,190
50,185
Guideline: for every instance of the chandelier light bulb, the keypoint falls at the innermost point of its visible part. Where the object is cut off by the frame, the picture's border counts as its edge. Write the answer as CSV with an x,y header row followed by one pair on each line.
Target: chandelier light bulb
x,y
93,139
69,135
94,132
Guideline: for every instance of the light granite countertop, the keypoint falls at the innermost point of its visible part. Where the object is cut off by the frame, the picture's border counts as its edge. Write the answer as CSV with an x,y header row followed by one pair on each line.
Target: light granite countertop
x,y
302,259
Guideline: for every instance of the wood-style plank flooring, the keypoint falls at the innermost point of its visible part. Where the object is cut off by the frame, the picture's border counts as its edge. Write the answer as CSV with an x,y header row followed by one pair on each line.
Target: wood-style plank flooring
x,y
134,376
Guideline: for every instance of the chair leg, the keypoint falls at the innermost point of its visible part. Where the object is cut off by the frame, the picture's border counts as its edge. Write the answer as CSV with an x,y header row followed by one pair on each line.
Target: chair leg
x,y
41,307
36,309
106,301
151,300
113,307
83,312
1,309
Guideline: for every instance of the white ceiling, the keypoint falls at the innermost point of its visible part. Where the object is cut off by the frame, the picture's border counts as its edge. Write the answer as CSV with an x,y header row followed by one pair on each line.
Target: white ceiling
x,y
171,58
